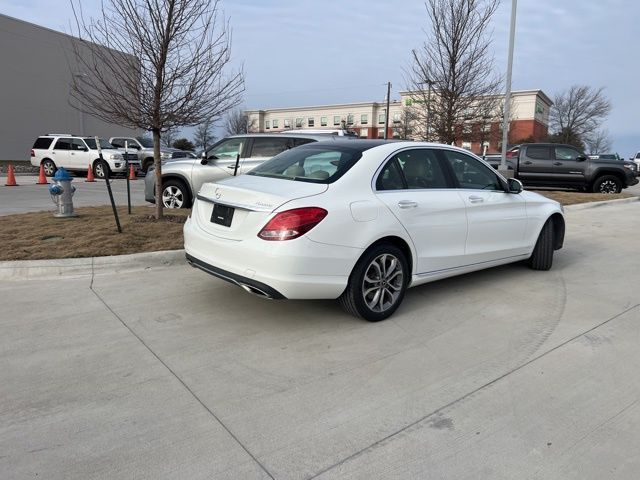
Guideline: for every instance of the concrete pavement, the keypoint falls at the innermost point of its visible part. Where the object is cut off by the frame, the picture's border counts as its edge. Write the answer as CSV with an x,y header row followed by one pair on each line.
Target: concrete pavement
x,y
170,373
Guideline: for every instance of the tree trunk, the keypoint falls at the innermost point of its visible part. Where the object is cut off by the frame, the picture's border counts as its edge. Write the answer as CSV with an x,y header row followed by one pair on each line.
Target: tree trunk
x,y
157,163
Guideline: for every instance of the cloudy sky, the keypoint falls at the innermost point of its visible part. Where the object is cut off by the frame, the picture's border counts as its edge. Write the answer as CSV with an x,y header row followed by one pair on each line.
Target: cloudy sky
x,y
314,52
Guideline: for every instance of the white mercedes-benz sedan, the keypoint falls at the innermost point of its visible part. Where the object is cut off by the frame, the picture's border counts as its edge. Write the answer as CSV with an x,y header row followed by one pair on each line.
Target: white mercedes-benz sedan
x,y
361,221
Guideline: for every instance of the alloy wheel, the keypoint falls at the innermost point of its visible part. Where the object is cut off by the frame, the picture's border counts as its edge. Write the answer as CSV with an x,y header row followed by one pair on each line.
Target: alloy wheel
x,y
608,186
382,283
49,168
172,197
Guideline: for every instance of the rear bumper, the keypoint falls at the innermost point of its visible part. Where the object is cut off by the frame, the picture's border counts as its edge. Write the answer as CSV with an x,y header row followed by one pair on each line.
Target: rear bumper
x,y
296,269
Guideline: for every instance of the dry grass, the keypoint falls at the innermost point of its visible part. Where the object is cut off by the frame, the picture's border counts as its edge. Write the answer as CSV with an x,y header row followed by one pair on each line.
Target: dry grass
x,y
572,198
33,236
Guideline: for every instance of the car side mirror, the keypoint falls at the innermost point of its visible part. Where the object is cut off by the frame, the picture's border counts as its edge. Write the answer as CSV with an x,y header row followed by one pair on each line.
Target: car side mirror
x,y
580,158
514,185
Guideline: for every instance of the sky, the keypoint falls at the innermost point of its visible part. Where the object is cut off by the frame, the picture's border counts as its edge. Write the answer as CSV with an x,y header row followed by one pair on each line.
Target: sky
x,y
317,52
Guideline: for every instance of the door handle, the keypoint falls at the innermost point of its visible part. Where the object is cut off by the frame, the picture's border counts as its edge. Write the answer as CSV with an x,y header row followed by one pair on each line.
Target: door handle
x,y
407,204
557,163
476,199
527,163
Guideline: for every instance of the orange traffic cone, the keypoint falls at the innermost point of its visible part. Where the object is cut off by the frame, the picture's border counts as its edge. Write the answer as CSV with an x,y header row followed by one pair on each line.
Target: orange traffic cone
x,y
42,178
132,173
90,175
11,177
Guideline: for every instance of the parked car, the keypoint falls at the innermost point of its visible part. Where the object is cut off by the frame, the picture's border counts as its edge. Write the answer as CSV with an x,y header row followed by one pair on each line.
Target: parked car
x,y
321,131
361,221
556,165
77,154
144,148
636,159
181,179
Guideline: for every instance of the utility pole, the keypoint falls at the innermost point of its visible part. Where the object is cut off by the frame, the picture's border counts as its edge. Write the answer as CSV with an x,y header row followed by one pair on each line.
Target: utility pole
x,y
507,96
386,115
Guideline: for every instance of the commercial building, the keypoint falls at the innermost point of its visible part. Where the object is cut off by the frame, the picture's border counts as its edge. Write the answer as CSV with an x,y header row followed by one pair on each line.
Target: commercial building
x,y
35,86
529,120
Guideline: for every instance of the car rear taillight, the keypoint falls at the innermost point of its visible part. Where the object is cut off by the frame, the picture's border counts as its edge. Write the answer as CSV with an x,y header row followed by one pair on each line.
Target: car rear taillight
x,y
292,223
512,153
33,154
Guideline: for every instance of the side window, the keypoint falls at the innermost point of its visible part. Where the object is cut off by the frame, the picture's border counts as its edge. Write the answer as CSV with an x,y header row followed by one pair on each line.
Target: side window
x,y
301,141
77,144
117,142
539,153
63,144
229,149
42,143
566,153
390,177
421,169
470,173
269,147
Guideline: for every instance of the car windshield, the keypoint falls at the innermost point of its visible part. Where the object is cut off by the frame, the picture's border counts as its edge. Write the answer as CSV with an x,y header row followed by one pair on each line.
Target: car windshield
x,y
104,144
315,163
145,142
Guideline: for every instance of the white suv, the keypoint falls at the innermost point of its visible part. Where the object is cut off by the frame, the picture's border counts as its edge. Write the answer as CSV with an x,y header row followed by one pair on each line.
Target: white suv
x,y
53,151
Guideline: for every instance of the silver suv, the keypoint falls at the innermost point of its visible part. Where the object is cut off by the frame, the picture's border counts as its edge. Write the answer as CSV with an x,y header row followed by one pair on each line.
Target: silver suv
x,y
78,154
182,179
144,149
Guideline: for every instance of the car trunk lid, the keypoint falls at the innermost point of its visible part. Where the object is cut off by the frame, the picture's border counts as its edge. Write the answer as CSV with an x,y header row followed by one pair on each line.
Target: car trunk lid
x,y
239,207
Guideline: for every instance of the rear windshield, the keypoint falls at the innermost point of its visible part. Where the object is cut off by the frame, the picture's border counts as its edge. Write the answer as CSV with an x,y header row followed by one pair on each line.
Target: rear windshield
x,y
43,143
91,143
316,163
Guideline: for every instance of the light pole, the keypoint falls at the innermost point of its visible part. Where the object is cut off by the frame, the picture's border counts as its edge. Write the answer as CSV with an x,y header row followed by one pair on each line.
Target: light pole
x,y
507,96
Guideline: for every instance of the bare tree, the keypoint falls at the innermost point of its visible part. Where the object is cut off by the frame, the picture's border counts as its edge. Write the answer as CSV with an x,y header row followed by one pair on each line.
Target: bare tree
x,y
203,137
168,137
578,113
404,129
155,65
599,142
237,122
452,74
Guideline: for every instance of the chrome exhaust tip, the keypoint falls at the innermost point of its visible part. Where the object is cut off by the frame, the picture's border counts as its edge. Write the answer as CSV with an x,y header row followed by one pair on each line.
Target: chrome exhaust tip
x,y
255,291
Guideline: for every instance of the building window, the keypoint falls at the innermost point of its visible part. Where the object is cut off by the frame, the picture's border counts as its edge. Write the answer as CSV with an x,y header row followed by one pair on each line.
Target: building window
x,y
381,119
486,145
466,129
364,132
466,145
298,122
323,121
364,119
287,123
311,121
267,124
275,123
350,119
396,117
381,133
486,127
336,119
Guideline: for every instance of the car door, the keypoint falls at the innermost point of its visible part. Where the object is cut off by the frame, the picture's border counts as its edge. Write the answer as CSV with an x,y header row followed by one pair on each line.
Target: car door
x,y
535,165
569,166
61,152
496,219
414,186
221,162
79,156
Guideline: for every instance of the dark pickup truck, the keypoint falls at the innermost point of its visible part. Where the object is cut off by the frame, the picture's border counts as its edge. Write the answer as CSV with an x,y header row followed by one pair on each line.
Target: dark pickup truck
x,y
556,165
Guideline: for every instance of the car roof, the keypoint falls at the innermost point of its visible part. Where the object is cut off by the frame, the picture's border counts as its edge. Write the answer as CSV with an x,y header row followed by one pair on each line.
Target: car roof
x,y
314,136
353,144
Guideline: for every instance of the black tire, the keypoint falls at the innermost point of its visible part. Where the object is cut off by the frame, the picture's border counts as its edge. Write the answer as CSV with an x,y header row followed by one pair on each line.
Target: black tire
x,y
607,184
542,256
101,169
49,167
146,163
175,194
358,297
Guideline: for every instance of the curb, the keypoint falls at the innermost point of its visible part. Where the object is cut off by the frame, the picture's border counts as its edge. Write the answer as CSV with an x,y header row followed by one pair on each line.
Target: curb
x,y
86,267
586,206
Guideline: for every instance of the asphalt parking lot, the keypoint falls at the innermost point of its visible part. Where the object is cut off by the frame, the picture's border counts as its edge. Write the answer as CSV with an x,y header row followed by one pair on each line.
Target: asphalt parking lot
x,y
29,197
166,372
